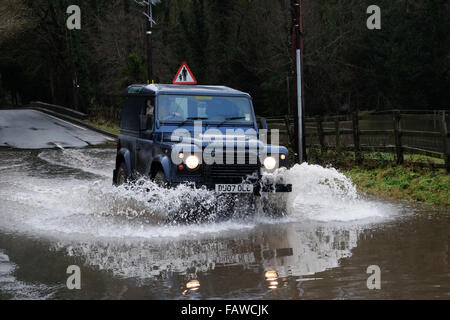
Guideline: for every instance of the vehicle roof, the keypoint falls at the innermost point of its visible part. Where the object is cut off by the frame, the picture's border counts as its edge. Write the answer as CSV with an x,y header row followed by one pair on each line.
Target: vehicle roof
x,y
156,89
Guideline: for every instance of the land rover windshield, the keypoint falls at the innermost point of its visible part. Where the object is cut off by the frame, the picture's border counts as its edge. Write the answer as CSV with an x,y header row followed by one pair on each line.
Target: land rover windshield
x,y
214,109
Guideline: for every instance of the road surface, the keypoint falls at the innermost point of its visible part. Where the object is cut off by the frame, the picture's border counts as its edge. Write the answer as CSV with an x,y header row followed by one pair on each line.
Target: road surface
x,y
31,129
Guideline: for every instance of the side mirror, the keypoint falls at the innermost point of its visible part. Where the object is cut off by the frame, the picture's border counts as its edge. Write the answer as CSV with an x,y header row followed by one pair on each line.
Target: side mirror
x,y
263,124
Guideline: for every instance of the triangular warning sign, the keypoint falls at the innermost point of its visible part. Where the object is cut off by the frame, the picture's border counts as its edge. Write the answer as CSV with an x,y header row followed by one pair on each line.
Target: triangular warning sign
x,y
184,75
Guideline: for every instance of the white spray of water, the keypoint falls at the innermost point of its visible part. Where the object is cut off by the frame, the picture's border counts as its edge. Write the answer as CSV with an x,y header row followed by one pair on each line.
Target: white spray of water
x,y
129,230
325,194
72,207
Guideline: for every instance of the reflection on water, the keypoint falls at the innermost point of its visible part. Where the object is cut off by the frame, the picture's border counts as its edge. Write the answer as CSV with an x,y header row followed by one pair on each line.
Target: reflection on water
x,y
289,250
59,208
272,279
276,254
191,286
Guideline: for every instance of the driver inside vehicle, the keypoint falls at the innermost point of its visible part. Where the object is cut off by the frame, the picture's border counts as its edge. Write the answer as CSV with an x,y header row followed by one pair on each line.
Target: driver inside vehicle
x,y
169,110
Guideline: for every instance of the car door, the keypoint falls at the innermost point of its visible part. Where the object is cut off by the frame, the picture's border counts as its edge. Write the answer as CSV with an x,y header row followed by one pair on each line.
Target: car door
x,y
129,129
144,146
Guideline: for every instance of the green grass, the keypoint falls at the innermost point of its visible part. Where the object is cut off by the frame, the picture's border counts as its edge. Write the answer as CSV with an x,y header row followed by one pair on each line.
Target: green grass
x,y
401,182
105,126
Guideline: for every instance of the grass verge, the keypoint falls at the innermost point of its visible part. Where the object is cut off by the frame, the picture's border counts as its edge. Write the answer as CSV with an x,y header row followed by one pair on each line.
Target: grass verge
x,y
105,126
406,183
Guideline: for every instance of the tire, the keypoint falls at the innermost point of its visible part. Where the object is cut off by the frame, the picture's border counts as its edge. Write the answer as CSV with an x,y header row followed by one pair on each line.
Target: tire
x,y
274,205
122,177
160,179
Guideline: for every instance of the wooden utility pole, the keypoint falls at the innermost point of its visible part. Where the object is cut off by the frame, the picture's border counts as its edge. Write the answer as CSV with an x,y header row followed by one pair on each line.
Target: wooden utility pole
x,y
356,136
150,22
298,92
398,137
445,141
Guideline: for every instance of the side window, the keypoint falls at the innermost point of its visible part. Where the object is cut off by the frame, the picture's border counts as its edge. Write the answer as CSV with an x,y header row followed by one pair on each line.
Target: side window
x,y
130,119
149,112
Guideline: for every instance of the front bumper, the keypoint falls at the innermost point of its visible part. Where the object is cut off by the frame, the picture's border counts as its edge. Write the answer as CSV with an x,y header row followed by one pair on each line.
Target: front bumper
x,y
210,176
258,186
274,188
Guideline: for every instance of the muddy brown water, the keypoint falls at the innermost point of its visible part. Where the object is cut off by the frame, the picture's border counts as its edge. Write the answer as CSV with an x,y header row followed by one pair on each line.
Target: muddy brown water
x,y
58,208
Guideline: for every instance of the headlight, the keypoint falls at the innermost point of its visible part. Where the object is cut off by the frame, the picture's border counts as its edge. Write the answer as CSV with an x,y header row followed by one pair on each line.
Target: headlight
x,y
192,162
193,285
283,156
270,163
271,275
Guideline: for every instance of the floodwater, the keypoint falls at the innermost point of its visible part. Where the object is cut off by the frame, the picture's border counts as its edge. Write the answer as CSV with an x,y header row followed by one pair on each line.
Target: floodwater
x,y
58,208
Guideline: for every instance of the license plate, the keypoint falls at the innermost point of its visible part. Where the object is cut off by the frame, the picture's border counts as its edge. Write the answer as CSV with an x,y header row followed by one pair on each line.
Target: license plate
x,y
234,188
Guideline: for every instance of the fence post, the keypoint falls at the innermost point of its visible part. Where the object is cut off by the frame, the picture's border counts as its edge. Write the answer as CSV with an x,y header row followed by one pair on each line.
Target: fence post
x,y
398,137
355,121
445,139
338,134
320,132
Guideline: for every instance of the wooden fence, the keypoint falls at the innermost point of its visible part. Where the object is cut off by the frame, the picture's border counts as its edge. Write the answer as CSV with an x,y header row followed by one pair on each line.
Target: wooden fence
x,y
394,131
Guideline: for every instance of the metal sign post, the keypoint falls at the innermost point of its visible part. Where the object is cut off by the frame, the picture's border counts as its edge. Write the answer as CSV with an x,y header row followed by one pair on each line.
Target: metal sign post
x,y
297,51
299,105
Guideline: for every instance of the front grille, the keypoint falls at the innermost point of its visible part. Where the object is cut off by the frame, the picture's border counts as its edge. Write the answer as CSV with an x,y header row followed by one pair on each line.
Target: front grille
x,y
234,171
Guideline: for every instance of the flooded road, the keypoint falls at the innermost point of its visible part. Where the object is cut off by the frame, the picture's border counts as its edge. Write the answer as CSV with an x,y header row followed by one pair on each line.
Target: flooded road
x,y
58,208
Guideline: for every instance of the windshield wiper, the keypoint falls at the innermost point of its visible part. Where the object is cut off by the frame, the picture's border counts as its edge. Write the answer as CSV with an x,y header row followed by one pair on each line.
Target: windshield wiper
x,y
229,119
192,118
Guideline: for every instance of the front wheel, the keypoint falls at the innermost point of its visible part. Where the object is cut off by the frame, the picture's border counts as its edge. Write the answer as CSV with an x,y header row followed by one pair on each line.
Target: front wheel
x,y
160,179
122,177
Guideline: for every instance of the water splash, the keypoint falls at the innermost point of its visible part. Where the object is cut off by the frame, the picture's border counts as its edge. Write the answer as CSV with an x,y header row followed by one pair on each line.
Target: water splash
x,y
132,230
324,194
73,207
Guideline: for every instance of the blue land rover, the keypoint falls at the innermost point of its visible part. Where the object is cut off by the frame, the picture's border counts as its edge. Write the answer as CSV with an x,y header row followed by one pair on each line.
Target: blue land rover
x,y
203,135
